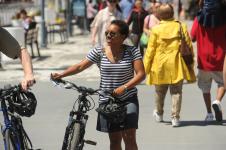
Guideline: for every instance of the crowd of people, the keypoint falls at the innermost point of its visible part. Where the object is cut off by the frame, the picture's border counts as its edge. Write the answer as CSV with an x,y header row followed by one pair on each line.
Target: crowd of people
x,y
124,66
151,22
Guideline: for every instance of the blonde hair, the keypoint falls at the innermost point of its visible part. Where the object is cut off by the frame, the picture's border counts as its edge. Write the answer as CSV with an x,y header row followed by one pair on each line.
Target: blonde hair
x,y
138,2
165,11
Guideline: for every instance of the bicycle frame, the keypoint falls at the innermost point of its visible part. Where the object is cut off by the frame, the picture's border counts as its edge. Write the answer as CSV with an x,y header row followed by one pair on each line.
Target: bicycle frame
x,y
75,130
14,135
9,125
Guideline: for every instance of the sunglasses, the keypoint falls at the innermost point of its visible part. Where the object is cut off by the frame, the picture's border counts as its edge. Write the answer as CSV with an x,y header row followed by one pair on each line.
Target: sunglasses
x,y
110,34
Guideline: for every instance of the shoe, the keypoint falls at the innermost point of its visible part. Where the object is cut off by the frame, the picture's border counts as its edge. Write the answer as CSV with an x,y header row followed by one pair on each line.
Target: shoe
x,y
175,122
158,118
209,117
217,109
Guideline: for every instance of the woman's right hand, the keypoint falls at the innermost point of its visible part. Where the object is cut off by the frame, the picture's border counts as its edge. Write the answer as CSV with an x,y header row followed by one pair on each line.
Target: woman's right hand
x,y
55,76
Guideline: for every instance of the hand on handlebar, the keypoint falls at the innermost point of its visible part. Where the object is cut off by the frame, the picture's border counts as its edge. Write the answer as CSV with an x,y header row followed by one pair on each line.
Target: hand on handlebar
x,y
55,76
27,82
118,91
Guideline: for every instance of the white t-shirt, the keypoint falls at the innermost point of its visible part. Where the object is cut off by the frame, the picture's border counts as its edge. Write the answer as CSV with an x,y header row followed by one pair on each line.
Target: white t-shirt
x,y
102,21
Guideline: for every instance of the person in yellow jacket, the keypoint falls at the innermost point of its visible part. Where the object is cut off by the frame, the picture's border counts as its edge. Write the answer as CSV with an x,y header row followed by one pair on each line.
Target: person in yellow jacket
x,y
164,65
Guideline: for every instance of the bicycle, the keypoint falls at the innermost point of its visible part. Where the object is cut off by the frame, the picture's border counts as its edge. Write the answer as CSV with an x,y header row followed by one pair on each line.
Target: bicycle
x,y
75,130
14,104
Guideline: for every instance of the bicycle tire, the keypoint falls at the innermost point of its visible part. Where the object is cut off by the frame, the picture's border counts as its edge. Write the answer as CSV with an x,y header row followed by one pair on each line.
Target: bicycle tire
x,y
75,141
10,140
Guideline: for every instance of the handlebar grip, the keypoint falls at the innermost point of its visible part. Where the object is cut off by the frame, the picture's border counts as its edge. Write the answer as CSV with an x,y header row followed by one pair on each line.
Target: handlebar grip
x,y
58,80
91,91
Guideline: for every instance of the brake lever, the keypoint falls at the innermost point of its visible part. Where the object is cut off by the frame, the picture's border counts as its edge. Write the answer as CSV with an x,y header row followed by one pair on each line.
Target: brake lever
x,y
68,85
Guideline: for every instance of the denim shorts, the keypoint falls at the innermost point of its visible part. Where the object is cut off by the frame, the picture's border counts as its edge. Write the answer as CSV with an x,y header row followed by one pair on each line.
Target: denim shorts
x,y
131,120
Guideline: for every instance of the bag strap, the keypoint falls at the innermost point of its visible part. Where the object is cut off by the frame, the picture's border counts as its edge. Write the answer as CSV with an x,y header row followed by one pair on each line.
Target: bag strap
x,y
149,18
102,52
129,51
181,31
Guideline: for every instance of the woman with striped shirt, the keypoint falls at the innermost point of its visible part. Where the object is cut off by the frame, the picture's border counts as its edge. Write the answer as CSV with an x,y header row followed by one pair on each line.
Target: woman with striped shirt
x,y
121,69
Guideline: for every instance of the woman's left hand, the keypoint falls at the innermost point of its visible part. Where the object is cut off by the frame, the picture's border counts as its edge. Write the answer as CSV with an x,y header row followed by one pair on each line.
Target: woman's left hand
x,y
119,91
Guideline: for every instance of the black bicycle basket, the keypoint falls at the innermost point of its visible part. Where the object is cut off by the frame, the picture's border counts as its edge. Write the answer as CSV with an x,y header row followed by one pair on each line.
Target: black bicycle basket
x,y
114,112
23,103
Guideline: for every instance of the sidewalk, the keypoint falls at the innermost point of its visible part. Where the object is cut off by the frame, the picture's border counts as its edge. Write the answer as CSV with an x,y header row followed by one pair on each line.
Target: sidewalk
x,y
55,58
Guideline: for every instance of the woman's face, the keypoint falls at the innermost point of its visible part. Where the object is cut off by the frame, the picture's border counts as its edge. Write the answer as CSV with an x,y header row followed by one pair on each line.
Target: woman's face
x,y
23,16
113,36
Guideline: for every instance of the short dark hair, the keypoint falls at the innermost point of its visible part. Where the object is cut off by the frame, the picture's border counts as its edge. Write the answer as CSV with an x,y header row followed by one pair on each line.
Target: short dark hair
x,y
23,11
123,27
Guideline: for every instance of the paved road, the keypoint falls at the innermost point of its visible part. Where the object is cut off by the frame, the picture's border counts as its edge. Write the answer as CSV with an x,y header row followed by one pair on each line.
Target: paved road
x,y
46,127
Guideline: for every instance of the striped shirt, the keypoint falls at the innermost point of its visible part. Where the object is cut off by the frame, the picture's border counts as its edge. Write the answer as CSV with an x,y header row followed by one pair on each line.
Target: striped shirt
x,y
114,75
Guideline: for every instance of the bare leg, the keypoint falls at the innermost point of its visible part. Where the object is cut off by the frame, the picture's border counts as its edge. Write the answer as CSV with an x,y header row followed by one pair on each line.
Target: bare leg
x,y
220,93
224,72
129,137
207,99
115,140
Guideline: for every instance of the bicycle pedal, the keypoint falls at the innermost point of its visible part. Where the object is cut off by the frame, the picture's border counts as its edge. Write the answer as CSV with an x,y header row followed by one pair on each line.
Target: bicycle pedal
x,y
90,142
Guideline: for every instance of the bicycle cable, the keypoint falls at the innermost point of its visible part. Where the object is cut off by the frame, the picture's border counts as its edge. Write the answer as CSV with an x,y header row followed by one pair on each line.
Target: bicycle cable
x,y
87,104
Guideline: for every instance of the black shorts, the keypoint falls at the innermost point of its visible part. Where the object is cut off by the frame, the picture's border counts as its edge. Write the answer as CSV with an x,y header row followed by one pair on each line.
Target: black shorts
x,y
131,120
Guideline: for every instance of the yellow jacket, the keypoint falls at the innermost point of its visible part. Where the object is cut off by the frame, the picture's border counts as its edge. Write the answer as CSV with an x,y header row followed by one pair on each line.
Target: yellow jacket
x,y
163,61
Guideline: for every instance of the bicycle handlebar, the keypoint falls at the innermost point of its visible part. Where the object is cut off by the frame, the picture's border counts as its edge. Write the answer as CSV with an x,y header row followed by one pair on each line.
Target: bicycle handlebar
x,y
70,85
83,89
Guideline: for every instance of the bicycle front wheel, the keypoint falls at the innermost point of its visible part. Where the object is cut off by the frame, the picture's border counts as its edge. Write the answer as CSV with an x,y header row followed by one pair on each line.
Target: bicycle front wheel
x,y
11,142
76,142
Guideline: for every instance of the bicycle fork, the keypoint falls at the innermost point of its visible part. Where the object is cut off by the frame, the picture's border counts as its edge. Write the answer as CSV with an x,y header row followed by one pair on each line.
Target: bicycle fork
x,y
67,132
8,126
82,119
87,141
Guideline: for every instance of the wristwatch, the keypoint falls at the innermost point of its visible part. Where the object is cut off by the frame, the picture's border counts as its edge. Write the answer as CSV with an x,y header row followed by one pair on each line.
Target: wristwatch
x,y
125,88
